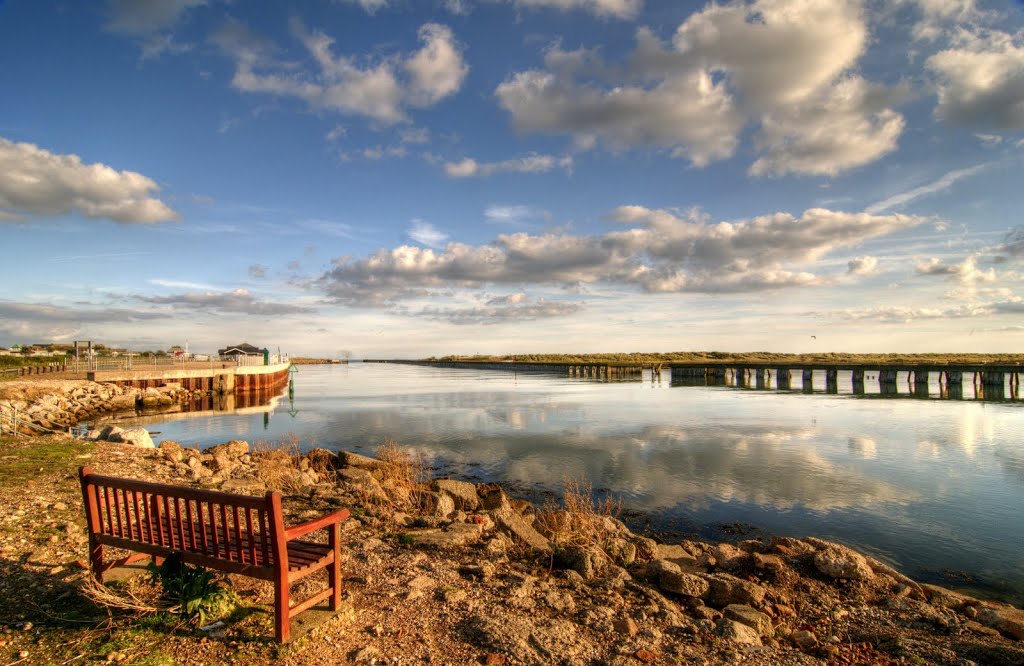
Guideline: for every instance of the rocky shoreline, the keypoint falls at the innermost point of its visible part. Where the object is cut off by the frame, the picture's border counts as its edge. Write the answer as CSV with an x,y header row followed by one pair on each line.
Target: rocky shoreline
x,y
35,407
445,571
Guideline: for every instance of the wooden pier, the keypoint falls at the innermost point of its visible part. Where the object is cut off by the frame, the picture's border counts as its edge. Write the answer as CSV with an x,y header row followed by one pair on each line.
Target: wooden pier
x,y
990,381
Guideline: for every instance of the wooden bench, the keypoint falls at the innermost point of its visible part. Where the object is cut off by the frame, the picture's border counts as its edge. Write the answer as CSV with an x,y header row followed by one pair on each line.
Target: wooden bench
x,y
236,534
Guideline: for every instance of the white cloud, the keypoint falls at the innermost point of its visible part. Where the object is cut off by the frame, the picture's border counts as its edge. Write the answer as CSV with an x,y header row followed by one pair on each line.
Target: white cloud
x,y
980,80
236,300
470,168
458,7
381,91
621,9
690,114
369,6
966,272
659,252
945,182
862,266
516,307
35,182
786,66
939,16
427,234
846,126
514,214
137,17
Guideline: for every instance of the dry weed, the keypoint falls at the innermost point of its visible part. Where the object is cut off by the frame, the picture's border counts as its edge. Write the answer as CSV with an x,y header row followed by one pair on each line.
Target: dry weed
x,y
403,472
277,463
580,520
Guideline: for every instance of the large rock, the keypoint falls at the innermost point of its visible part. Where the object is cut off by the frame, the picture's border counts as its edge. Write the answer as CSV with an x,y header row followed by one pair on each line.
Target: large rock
x,y
724,589
514,524
737,632
236,448
134,437
435,504
672,578
350,459
363,482
751,617
462,492
493,497
1005,619
588,561
837,561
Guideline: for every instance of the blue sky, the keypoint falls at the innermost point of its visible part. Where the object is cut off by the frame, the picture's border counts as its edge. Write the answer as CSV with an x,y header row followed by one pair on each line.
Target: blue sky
x,y
417,177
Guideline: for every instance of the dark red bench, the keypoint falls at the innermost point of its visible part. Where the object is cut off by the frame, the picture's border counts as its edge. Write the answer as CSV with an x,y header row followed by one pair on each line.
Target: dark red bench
x,y
236,534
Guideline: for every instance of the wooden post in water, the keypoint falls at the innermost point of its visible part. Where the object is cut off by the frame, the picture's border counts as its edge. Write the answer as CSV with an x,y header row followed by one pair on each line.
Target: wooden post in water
x,y
857,377
887,381
921,382
807,378
759,378
783,378
831,380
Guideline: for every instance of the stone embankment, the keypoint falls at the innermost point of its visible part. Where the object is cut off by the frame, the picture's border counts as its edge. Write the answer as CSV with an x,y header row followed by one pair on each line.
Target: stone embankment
x,y
36,407
506,582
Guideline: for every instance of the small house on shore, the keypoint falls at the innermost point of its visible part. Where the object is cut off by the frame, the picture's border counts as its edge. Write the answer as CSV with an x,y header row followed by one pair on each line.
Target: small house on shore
x,y
244,349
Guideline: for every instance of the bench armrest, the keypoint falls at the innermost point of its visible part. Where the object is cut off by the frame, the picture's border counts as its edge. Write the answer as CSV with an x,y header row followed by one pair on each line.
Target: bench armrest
x,y
313,525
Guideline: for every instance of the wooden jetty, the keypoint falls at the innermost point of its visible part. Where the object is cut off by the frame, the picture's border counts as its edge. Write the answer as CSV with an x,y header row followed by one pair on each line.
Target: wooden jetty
x,y
993,381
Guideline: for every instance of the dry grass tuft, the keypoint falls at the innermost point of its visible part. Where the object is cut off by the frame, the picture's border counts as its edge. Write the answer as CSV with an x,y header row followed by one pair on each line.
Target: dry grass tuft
x,y
136,595
321,461
277,463
580,520
403,473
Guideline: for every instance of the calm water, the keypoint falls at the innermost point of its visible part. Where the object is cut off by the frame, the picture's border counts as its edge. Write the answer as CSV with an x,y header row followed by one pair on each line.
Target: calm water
x,y
935,487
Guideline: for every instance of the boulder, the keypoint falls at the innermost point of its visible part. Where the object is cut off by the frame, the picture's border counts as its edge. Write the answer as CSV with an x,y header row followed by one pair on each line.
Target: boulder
x,y
134,437
837,561
350,459
672,578
588,561
512,523
493,497
737,632
754,619
236,448
435,504
1006,620
456,534
462,492
724,589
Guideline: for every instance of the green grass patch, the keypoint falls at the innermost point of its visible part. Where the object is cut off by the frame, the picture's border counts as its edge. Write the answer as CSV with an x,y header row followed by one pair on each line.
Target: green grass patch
x,y
22,460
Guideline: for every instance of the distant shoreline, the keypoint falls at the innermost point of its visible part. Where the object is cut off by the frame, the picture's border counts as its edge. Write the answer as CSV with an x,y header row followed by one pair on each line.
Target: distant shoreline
x,y
301,360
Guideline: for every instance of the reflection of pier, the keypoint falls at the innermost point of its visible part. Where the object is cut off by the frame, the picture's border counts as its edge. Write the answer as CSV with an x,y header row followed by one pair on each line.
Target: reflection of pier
x,y
989,382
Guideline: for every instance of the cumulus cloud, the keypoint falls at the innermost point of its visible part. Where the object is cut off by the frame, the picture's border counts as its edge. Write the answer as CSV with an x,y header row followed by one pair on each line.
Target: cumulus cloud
x,y
862,266
427,234
980,80
845,126
966,272
937,17
787,67
470,168
35,182
236,300
621,9
383,90
660,251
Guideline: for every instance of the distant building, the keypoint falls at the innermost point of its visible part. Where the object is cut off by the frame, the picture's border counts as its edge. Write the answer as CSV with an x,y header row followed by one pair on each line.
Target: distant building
x,y
244,349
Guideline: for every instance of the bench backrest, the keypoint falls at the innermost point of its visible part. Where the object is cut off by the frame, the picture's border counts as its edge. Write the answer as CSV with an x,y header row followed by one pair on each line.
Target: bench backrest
x,y
213,525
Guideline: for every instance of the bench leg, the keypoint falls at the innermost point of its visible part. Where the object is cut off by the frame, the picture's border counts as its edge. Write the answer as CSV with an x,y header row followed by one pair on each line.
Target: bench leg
x,y
96,558
334,573
282,622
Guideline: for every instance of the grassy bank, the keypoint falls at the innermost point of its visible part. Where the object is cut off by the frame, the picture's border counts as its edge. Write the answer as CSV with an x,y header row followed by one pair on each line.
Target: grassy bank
x,y
652,358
